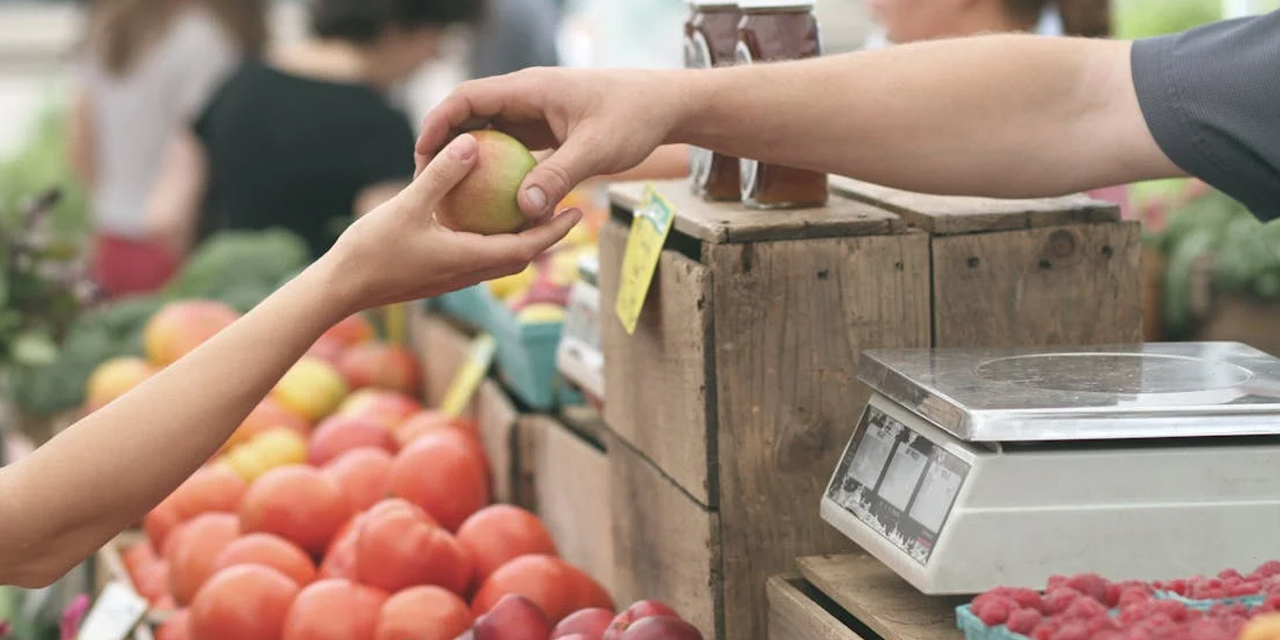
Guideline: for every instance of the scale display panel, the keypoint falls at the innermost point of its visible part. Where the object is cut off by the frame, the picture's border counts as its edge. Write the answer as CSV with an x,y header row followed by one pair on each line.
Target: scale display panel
x,y
897,482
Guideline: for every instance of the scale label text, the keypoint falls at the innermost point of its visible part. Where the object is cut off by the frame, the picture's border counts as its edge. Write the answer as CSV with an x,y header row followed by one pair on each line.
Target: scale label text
x,y
898,483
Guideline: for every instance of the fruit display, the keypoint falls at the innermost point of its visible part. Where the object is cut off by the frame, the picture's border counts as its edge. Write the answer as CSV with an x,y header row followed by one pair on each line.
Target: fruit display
x,y
343,508
1228,606
525,312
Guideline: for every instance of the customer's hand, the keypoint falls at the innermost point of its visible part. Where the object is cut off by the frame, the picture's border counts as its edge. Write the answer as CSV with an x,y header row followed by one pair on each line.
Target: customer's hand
x,y
399,252
597,122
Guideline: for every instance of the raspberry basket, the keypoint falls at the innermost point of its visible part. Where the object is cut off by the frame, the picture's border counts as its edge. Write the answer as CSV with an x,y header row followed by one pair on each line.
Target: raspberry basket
x,y
1205,605
975,629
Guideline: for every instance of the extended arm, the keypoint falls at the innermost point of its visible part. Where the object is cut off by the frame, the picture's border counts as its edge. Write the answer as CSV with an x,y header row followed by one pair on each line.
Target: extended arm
x,y
1001,116
77,491
998,116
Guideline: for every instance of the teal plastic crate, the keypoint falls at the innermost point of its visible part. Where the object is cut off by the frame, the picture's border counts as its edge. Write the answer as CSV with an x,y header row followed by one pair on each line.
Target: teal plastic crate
x,y
526,359
1205,605
472,305
975,629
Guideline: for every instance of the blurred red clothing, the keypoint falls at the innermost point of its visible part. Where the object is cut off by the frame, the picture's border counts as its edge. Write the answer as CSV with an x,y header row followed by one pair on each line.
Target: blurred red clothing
x,y
123,266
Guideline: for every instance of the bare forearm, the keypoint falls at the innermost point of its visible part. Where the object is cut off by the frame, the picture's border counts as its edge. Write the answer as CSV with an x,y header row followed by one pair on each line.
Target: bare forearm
x,y
107,470
1001,116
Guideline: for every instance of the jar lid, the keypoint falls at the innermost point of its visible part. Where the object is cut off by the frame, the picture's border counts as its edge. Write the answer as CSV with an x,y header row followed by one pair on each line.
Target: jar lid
x,y
776,4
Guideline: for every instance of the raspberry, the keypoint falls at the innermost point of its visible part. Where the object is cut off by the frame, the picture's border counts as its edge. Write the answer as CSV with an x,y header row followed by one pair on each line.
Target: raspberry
x,y
1055,582
1023,621
1230,575
1026,598
1085,609
1059,599
1245,588
1114,589
1133,595
1074,630
995,610
1045,630
1109,635
1206,630
1267,569
1089,584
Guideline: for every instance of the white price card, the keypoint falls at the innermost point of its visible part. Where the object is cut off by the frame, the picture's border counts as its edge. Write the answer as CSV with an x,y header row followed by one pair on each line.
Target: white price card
x,y
115,615
937,492
903,475
873,451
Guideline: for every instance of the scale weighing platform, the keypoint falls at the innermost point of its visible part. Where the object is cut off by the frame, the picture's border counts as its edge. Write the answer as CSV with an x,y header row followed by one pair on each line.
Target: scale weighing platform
x,y
976,468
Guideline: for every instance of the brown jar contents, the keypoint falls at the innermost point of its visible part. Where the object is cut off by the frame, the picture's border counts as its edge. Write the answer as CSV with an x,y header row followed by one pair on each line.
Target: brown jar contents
x,y
710,40
771,31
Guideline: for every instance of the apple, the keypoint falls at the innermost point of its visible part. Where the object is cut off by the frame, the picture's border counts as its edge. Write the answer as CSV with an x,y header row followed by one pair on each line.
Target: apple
x,y
542,291
639,611
662,628
587,623
381,366
515,617
485,201
337,435
541,313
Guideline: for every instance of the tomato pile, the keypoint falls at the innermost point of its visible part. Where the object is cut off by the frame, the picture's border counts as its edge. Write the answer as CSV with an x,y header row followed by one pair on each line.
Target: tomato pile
x,y
343,509
1088,607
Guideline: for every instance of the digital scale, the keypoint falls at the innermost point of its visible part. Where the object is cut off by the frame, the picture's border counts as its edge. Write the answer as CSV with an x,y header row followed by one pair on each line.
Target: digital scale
x,y
579,357
976,468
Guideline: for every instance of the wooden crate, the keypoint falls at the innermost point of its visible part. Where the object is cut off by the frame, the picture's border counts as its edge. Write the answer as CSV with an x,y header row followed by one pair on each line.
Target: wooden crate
x,y
565,480
854,596
1055,271
738,390
442,348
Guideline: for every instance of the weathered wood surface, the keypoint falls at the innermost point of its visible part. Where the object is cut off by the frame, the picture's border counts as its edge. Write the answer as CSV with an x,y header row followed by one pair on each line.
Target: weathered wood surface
x,y
795,614
875,595
790,320
728,222
570,493
950,215
658,378
1063,285
665,543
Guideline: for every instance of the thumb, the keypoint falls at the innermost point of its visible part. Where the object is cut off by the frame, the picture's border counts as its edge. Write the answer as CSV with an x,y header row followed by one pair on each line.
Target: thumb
x,y
443,173
553,178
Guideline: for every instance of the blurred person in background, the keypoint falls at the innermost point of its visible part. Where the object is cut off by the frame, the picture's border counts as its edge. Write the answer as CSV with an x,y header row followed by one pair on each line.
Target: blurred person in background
x,y
906,21
515,35
306,137
148,68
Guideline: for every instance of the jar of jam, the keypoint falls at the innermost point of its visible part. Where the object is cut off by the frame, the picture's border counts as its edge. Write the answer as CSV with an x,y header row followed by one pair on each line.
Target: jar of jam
x,y
772,31
710,40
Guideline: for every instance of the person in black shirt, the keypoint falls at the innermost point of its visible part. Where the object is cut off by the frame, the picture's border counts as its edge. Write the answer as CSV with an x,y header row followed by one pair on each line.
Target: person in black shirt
x,y
306,137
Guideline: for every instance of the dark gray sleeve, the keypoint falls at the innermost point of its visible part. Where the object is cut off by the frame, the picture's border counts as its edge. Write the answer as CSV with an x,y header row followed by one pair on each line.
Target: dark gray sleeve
x,y
1211,97
515,35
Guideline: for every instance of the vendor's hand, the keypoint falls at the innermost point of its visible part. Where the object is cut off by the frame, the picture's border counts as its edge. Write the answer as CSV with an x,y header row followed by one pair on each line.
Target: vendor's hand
x,y
597,122
399,252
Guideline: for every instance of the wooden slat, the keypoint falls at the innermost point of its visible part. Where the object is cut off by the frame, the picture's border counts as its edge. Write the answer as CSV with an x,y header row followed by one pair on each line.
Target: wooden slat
x,y
950,215
657,378
719,222
794,615
571,495
1076,284
441,347
790,320
665,544
496,416
878,598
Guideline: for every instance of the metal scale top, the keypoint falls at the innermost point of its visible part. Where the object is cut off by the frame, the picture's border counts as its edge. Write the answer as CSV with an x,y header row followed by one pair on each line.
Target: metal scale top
x,y
1153,390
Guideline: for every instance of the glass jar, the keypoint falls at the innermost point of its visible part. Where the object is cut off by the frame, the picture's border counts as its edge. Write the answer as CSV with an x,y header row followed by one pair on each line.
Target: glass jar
x,y
711,39
774,31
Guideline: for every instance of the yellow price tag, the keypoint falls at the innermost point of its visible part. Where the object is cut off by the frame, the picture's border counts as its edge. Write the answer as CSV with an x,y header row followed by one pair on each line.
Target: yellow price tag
x,y
469,376
649,229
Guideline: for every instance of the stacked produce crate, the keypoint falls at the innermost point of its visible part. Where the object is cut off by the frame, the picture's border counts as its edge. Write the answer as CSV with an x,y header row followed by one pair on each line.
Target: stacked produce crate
x,y
730,403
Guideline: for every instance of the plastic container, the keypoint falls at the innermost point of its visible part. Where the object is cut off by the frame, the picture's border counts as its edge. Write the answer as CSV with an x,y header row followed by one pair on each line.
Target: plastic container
x,y
1205,605
471,305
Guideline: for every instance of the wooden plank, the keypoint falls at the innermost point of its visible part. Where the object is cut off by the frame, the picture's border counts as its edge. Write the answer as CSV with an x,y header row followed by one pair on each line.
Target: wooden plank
x,y
878,598
720,222
1077,284
665,543
571,495
442,348
795,615
496,415
657,378
950,215
790,320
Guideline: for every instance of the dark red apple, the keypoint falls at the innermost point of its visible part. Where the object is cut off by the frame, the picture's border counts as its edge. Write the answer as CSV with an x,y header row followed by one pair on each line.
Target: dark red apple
x,y
515,617
636,612
662,628
591,623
